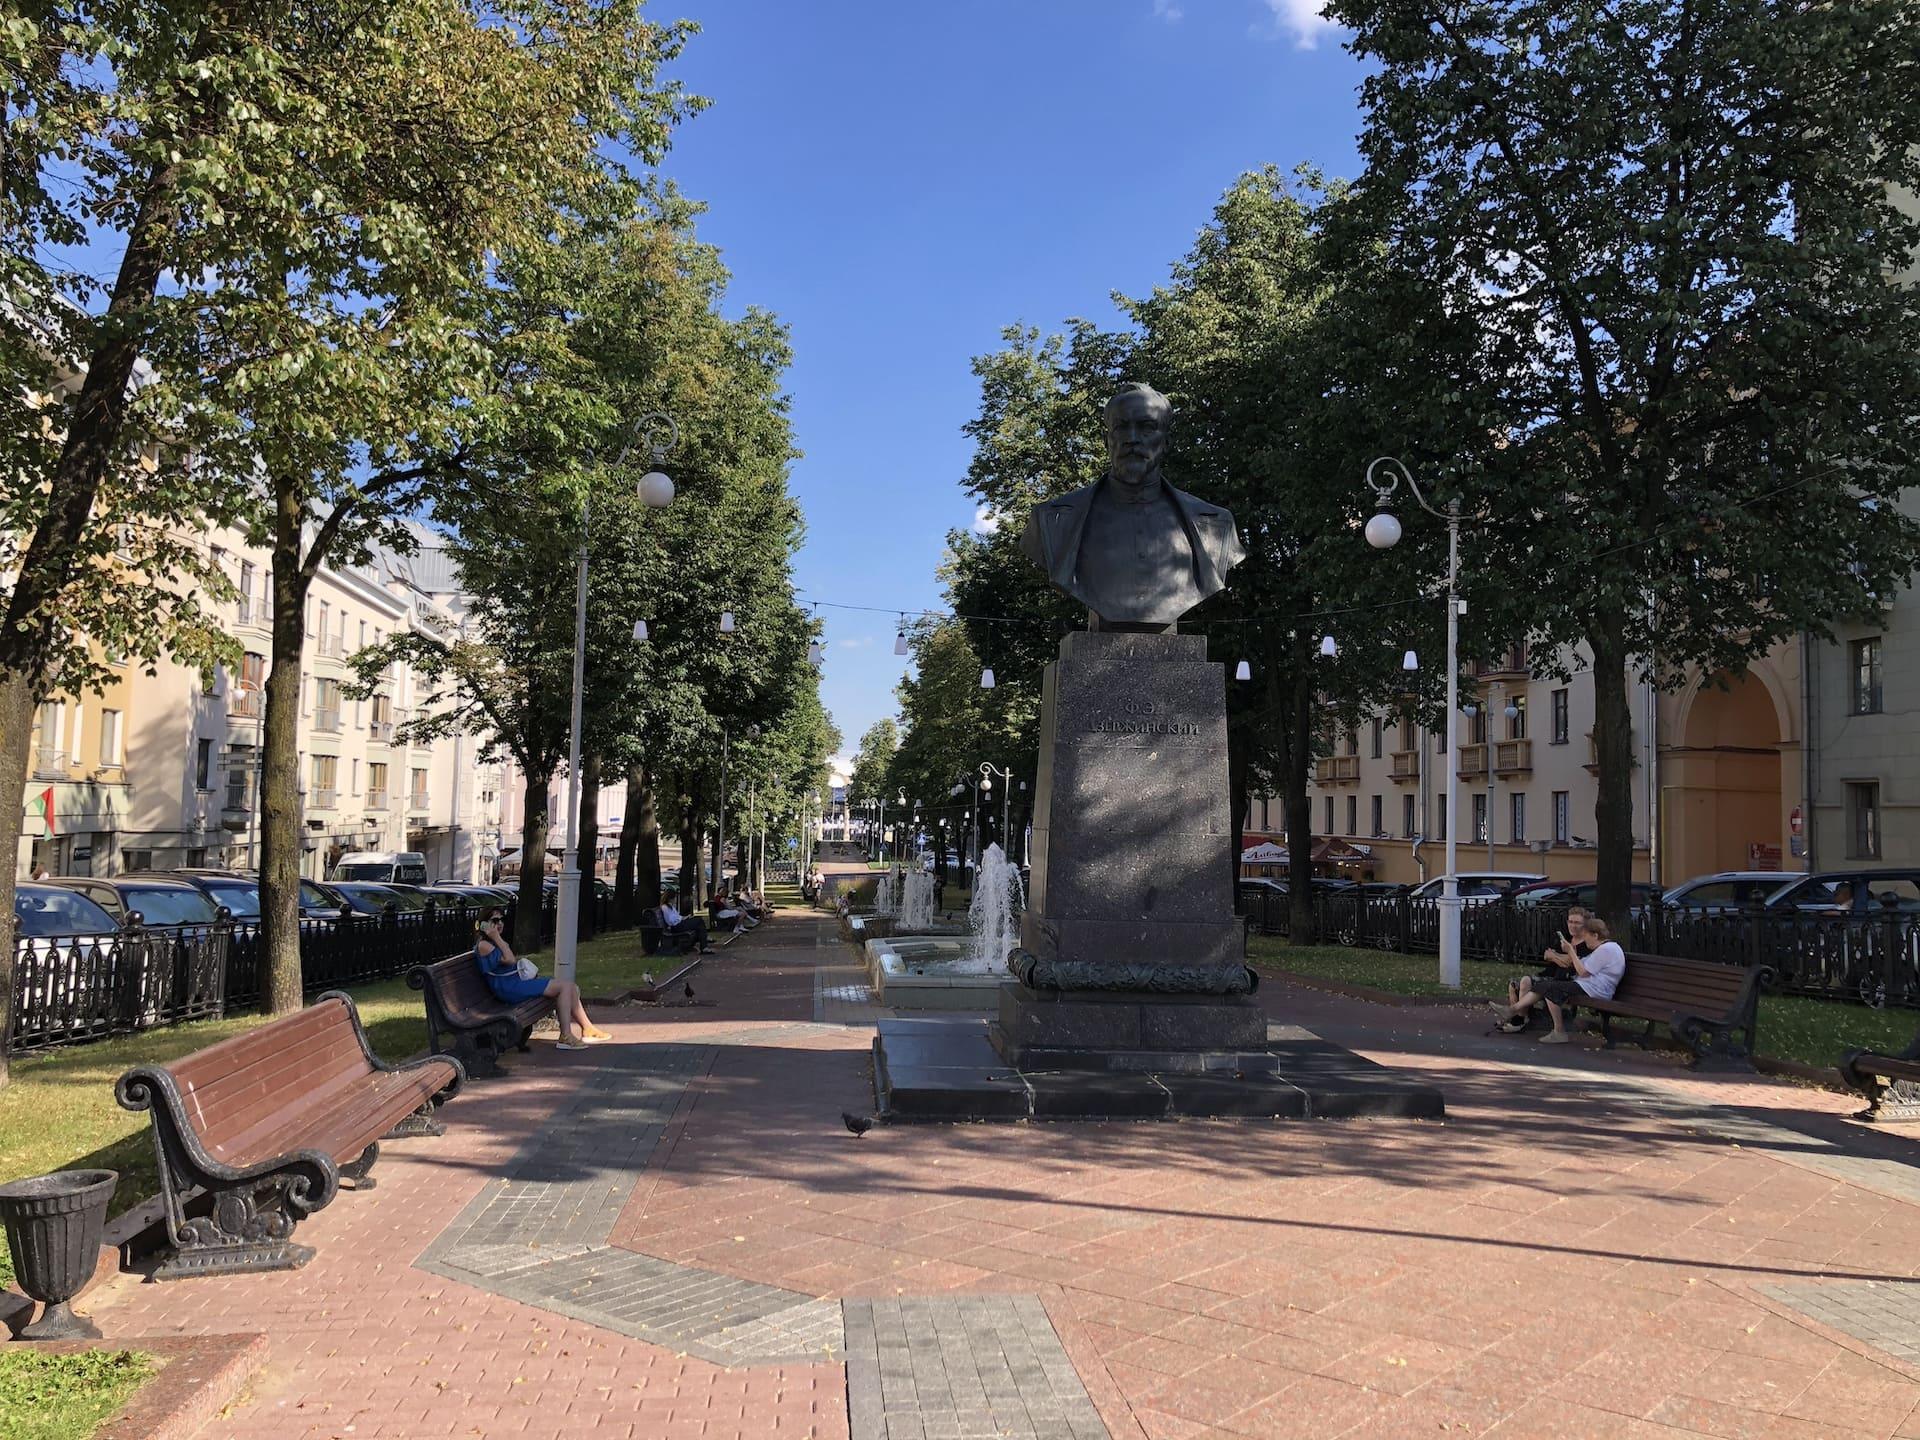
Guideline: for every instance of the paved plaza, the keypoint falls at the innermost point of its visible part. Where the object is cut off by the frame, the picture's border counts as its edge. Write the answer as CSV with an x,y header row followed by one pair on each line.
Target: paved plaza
x,y
675,1236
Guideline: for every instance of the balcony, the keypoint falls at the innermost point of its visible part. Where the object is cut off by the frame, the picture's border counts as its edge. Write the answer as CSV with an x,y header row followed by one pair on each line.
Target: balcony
x,y
327,720
323,799
381,731
1512,757
1473,760
243,610
1406,766
246,704
1336,769
332,646
1592,766
50,762
376,800
235,814
417,803
1509,667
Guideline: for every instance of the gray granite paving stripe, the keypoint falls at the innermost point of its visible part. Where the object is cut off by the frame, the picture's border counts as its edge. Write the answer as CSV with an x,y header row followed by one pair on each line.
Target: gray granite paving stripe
x,y
539,1233
1885,1314
959,1367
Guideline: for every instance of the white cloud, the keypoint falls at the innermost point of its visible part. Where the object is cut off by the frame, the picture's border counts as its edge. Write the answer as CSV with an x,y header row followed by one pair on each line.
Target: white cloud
x,y
1168,11
985,522
1305,20
858,642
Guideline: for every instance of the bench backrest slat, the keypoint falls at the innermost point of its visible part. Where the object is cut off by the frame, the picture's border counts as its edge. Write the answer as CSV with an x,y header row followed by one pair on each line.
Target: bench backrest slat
x,y
1669,980
291,1063
460,985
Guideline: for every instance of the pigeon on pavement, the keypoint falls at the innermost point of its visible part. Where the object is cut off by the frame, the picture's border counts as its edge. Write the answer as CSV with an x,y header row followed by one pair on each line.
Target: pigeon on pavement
x,y
858,1124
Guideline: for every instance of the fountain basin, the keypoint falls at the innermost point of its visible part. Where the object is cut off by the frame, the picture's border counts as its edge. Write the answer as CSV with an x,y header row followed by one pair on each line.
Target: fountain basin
x,y
932,972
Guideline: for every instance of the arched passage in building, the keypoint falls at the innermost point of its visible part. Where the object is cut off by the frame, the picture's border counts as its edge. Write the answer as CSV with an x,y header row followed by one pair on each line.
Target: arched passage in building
x,y
1723,780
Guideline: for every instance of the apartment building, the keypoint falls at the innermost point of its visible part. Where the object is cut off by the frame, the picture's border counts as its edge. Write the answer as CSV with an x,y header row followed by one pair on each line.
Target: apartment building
x,y
161,771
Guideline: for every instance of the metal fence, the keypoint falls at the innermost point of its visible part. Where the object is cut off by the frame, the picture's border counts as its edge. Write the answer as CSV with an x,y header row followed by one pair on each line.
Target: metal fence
x,y
1872,958
73,989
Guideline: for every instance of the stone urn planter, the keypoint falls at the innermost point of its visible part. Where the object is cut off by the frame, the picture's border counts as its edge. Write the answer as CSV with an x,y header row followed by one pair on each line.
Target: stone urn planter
x,y
54,1224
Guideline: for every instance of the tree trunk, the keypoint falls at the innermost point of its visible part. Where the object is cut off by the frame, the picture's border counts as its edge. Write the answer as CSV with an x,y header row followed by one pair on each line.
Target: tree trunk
x,y
16,723
280,838
643,810
1613,801
533,862
624,908
94,441
693,831
1296,769
587,837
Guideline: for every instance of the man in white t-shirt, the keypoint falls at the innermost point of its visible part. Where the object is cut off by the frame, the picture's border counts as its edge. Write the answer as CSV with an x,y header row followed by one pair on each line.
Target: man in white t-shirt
x,y
1593,977
674,923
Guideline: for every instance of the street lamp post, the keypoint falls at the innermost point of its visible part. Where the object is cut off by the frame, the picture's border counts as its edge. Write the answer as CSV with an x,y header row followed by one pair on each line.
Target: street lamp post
x,y
988,770
656,491
1383,533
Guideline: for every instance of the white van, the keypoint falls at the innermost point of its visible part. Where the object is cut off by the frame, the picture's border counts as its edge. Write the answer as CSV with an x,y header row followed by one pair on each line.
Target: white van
x,y
408,867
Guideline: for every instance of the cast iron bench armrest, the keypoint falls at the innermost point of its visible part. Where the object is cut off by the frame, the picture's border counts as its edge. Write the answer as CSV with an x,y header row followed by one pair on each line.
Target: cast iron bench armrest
x,y
1698,1021
1866,1070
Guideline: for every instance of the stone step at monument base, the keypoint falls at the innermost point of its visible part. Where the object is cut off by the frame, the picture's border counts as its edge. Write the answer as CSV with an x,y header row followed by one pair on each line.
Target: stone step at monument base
x,y
947,1069
1124,1029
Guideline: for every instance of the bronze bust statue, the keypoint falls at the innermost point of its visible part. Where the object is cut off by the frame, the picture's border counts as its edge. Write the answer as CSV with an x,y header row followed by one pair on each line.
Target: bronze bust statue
x,y
1136,552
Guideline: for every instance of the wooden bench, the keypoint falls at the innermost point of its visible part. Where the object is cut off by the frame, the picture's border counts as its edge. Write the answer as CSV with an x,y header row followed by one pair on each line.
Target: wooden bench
x,y
1704,1004
467,1020
655,937
268,1124
1891,1083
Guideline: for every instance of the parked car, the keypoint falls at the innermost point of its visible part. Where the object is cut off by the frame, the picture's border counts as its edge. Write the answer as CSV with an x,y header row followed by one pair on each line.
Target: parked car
x,y
1581,892
1724,890
159,899
239,891
54,912
365,898
1870,891
1477,887
446,892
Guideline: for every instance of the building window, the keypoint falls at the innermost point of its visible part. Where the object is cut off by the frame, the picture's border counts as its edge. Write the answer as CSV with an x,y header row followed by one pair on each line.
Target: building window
x,y
1379,816
1440,741
137,859
1440,814
418,797
353,778
1559,736
1353,814
1353,742
1863,819
326,703
109,737
323,791
376,785
1866,676
1517,726
1480,817
203,764
1379,727
1477,726
1406,816
1519,801
1266,811
1328,828
1406,734
1562,817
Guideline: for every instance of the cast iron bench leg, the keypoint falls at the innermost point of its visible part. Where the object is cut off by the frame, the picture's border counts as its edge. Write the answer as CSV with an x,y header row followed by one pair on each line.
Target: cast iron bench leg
x,y
356,1170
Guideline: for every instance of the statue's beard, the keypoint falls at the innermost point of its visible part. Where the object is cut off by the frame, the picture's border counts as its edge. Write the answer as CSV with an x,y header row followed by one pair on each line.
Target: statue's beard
x,y
1134,472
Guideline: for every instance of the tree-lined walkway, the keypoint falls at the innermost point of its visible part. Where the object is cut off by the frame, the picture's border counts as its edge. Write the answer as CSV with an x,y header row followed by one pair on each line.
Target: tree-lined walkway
x,y
1664,1256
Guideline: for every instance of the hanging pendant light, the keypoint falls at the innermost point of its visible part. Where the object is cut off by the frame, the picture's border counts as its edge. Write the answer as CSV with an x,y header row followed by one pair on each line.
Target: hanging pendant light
x,y
726,622
639,629
1328,646
816,653
986,678
1409,661
900,638
1243,671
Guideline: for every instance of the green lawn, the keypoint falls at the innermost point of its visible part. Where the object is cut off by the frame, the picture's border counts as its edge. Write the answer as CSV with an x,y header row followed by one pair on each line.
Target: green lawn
x,y
65,1397
1792,1027
59,1112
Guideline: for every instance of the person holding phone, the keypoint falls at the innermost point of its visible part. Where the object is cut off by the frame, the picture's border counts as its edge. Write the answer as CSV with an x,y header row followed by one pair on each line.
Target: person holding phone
x,y
502,971
1556,960
1595,976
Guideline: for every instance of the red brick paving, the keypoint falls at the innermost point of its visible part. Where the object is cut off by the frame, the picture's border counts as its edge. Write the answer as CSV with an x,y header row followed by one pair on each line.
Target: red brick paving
x,y
1549,1262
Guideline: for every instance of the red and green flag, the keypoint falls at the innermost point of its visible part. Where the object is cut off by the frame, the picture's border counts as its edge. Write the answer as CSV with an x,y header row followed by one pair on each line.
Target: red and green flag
x,y
42,805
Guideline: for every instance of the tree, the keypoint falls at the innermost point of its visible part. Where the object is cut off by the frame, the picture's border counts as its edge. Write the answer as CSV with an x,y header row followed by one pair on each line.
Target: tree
x,y
1671,227
1267,338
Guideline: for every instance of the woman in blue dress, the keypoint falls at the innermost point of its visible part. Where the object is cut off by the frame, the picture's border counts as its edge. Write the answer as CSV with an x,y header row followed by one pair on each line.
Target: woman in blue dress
x,y
501,970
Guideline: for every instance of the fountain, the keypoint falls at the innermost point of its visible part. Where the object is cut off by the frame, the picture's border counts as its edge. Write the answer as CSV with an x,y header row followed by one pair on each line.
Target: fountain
x,y
931,971
886,894
916,902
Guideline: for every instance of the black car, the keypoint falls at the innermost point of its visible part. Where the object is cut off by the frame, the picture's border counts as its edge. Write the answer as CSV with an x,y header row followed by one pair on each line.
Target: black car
x,y
240,893
54,912
364,897
159,899
1853,892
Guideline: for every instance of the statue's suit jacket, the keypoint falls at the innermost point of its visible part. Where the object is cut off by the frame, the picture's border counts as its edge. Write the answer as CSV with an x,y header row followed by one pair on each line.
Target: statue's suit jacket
x,y
1055,527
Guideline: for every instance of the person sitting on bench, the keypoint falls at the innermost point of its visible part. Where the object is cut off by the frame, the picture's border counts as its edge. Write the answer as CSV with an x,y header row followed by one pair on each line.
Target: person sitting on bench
x,y
501,970
1553,965
674,923
1596,976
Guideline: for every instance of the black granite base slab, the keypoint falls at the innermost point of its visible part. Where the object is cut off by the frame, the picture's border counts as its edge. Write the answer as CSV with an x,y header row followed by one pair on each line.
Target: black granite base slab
x,y
947,1069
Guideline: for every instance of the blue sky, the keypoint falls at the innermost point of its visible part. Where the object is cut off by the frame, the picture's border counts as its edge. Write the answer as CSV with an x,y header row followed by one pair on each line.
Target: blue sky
x,y
898,180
